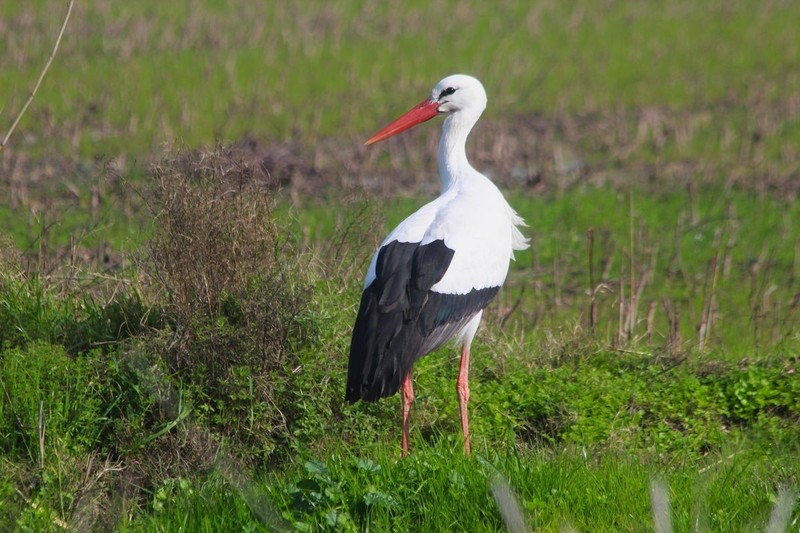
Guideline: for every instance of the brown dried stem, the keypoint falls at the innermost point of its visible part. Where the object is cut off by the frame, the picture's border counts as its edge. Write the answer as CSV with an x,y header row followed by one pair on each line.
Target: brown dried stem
x,y
41,76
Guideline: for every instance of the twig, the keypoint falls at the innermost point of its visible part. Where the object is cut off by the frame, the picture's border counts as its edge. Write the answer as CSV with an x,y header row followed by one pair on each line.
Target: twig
x,y
513,308
718,462
41,76
632,352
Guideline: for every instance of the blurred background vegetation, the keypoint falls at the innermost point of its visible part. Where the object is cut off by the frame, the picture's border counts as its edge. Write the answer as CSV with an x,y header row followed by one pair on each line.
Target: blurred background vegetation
x,y
131,76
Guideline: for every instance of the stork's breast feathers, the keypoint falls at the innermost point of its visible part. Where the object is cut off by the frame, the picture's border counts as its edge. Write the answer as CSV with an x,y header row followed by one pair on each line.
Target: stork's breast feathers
x,y
480,231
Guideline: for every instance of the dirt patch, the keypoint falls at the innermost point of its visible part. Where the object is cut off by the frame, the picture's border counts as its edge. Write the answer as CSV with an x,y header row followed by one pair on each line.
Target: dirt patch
x,y
653,148
747,145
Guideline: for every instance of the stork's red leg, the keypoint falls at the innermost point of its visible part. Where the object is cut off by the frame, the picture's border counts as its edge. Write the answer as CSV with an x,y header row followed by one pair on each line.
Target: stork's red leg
x,y
408,399
462,386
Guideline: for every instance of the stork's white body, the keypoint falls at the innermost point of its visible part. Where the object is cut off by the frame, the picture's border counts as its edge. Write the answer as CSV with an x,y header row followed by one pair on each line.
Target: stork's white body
x,y
474,219
435,272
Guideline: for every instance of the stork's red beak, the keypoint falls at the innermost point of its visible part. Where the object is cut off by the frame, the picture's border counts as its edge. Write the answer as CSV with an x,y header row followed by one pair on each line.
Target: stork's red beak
x,y
425,110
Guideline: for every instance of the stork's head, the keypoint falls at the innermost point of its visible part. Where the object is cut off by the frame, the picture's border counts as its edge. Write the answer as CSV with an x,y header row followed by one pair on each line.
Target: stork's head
x,y
456,93
459,92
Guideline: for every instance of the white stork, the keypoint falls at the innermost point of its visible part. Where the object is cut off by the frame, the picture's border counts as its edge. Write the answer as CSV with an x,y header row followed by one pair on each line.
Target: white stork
x,y
433,275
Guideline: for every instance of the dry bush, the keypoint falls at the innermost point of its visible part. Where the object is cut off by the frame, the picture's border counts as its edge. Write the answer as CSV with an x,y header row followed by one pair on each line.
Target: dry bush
x,y
214,230
233,280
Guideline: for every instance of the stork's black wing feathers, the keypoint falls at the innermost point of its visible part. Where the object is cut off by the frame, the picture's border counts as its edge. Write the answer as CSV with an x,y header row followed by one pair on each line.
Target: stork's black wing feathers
x,y
401,319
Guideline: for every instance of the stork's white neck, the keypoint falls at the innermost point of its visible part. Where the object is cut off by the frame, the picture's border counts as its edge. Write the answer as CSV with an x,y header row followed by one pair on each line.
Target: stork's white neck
x,y
453,164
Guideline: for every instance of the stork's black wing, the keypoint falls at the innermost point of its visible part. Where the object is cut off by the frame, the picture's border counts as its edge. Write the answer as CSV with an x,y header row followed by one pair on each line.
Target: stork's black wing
x,y
401,319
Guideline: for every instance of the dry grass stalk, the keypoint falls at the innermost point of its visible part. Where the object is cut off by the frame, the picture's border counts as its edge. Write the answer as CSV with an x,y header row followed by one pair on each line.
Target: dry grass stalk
x,y
651,321
629,307
756,298
41,77
674,319
590,252
733,225
637,291
89,510
709,313
42,430
621,337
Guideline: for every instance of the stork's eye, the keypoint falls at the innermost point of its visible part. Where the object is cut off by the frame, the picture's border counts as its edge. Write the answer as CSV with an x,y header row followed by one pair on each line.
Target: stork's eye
x,y
447,92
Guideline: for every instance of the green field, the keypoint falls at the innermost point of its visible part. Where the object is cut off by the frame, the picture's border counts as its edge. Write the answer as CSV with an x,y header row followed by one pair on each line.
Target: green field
x,y
189,213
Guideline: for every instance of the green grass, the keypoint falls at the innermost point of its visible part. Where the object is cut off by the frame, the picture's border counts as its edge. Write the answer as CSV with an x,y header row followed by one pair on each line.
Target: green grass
x,y
437,489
